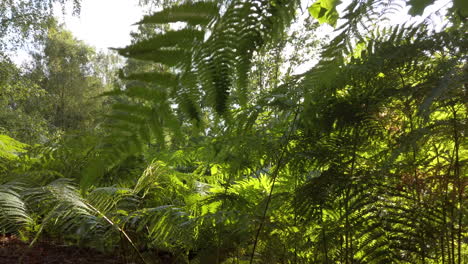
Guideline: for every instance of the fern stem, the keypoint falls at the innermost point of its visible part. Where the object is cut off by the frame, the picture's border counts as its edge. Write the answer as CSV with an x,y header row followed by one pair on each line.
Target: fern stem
x,y
295,219
452,229
325,248
346,228
458,179
349,238
119,229
422,242
447,206
274,177
443,229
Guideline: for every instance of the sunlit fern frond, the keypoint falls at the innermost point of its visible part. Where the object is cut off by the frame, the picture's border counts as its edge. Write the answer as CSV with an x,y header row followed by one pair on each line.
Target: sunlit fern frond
x,y
161,226
200,65
10,148
357,89
14,213
60,203
111,199
220,54
192,13
359,18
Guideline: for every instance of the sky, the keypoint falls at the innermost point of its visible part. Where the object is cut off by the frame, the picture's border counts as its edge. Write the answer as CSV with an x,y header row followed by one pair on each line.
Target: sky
x,y
103,23
107,23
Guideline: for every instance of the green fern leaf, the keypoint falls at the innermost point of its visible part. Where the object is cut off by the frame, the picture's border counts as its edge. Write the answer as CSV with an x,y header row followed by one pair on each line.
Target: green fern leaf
x,y
193,13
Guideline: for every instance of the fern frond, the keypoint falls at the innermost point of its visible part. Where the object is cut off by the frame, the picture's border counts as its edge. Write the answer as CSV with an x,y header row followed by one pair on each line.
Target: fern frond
x,y
13,210
61,204
222,61
112,199
193,13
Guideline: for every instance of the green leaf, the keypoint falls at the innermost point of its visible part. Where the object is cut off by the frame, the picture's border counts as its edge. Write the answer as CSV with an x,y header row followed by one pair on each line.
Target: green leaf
x,y
214,170
325,11
161,78
180,39
462,7
10,148
418,6
200,13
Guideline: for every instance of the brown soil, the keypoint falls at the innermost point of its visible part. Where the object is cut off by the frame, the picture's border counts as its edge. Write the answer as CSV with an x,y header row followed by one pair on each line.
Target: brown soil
x,y
14,251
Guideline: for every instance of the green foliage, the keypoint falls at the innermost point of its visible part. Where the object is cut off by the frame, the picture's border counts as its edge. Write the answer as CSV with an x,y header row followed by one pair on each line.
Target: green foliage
x,y
14,212
461,7
193,13
68,79
215,152
17,118
325,11
57,92
23,20
199,68
10,148
203,57
418,6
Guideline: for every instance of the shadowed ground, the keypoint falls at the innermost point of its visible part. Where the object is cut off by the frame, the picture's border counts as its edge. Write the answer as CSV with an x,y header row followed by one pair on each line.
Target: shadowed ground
x,y
13,250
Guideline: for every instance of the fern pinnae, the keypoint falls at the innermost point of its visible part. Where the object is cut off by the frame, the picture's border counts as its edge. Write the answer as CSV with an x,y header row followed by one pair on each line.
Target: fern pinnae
x,y
14,212
193,13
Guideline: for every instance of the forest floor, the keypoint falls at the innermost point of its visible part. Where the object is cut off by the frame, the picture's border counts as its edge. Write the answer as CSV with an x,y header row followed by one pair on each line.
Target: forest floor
x,y
15,251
